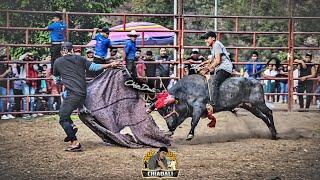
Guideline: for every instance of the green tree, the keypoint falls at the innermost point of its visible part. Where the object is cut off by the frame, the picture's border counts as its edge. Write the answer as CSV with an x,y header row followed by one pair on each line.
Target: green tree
x,y
43,20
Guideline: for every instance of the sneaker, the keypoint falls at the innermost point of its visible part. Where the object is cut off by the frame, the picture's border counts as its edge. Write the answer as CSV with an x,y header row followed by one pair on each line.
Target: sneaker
x,y
10,116
34,115
40,114
26,116
4,117
74,148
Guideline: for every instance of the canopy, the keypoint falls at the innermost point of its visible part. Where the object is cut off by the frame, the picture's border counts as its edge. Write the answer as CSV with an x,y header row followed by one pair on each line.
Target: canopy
x,y
150,38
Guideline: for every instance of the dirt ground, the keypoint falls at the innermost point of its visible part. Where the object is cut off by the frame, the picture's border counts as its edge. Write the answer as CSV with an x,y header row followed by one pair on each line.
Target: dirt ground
x,y
238,148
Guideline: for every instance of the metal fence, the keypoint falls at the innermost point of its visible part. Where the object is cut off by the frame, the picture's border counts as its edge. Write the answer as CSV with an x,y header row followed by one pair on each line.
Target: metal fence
x,y
180,33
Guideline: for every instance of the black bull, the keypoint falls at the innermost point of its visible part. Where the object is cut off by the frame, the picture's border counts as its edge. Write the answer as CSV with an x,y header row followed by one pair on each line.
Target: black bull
x,y
192,94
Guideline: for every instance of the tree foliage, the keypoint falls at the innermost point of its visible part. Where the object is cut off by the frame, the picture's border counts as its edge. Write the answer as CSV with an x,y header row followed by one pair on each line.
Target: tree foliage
x,y
43,19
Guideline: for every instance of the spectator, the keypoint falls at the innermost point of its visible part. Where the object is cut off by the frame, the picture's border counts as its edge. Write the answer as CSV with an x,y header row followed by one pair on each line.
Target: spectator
x,y
77,51
42,74
253,69
140,66
130,51
283,73
195,59
17,87
57,36
89,54
307,71
318,89
271,72
54,101
295,82
163,70
6,72
150,68
28,70
114,54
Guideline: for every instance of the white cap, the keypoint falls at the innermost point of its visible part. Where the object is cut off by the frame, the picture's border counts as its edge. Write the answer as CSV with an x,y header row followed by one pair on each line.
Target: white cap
x,y
133,33
195,50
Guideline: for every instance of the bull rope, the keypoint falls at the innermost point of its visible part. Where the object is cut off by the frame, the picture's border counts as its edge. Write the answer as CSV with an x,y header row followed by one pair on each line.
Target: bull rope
x,y
162,84
208,84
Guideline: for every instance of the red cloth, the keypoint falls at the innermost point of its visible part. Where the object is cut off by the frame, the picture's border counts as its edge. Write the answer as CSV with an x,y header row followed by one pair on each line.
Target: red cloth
x,y
163,99
213,121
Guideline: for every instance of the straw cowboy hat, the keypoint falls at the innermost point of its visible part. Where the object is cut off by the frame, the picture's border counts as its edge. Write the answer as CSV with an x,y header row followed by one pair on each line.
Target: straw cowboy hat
x,y
133,33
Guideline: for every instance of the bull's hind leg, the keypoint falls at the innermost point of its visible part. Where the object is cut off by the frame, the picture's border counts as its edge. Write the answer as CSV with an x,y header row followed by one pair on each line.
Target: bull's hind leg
x,y
196,115
258,113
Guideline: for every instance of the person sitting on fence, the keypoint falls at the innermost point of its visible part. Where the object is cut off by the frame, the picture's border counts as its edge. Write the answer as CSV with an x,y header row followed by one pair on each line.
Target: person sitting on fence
x,y
57,36
103,43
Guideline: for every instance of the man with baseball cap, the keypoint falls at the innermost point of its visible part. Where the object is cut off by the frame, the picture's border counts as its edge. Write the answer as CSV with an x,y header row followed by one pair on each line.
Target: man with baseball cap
x,y
194,61
71,69
102,44
221,65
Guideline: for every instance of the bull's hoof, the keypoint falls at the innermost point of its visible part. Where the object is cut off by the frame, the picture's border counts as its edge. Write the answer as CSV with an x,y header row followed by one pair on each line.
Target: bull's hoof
x,y
189,137
170,133
273,134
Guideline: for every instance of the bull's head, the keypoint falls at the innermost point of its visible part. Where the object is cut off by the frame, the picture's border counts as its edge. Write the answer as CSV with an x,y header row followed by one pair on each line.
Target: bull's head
x,y
174,114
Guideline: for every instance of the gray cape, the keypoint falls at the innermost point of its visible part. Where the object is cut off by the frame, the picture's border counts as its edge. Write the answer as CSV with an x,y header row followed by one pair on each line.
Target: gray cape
x,y
113,106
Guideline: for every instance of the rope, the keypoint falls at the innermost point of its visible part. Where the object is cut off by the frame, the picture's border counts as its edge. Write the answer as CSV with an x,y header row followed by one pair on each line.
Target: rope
x,y
208,84
162,84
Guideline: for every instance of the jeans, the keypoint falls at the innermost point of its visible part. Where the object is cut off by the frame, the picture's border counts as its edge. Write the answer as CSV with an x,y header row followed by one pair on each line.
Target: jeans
x,y
55,53
28,90
217,80
70,102
3,91
51,101
131,67
284,89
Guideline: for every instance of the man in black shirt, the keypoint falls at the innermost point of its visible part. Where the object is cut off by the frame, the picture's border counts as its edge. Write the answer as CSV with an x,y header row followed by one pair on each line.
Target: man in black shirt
x,y
194,61
150,68
307,71
71,69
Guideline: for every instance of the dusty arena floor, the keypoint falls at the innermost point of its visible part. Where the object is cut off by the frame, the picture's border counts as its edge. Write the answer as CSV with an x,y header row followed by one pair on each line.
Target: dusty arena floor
x,y
238,148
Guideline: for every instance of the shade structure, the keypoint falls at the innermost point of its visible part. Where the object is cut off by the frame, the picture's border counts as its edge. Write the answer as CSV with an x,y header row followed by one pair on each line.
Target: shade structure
x,y
150,38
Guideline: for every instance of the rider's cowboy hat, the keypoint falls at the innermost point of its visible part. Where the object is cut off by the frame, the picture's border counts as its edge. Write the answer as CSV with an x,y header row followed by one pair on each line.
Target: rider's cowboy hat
x,y
133,33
